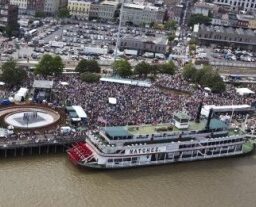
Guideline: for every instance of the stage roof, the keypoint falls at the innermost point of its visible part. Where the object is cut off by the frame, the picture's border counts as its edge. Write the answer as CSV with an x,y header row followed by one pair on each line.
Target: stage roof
x,y
43,84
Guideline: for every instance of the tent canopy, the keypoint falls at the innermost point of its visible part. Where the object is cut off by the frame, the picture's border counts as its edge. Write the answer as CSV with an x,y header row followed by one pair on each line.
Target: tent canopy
x,y
112,100
244,91
43,84
126,81
64,83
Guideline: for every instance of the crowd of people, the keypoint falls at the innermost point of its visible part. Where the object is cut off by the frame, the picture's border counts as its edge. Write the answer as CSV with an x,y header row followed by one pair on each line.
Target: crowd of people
x,y
135,104
140,105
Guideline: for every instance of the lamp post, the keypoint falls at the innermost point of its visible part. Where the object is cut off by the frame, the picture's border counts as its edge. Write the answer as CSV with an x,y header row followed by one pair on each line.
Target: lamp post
x,y
119,30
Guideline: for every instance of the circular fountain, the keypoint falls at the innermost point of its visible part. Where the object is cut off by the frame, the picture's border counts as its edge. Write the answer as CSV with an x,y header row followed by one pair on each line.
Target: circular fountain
x,y
30,117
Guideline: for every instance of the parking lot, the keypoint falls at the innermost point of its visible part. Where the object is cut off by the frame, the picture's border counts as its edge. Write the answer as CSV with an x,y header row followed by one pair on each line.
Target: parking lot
x,y
227,55
84,40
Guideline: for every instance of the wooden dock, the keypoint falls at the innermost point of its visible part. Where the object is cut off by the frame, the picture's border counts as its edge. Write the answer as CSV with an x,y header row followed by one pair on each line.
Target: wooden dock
x,y
40,145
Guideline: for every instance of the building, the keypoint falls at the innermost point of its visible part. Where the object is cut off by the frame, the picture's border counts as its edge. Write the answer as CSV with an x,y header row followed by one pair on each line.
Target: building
x,y
8,17
141,14
4,2
252,24
243,20
222,20
79,9
246,5
94,11
53,6
22,5
247,21
202,8
226,36
144,44
105,10
33,6
176,12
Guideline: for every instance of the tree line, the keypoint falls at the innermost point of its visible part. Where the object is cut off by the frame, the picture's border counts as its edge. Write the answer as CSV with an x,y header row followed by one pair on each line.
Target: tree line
x,y
89,71
124,69
205,77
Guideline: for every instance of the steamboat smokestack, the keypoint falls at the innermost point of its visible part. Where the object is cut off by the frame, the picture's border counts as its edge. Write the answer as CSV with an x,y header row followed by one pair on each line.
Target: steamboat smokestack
x,y
199,112
207,127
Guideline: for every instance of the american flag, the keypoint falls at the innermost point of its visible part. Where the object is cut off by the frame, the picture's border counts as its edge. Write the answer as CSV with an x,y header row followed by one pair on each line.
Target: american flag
x,y
102,120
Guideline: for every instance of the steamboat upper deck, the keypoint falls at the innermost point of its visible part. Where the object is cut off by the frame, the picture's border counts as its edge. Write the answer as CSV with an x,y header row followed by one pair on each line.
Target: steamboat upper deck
x,y
161,133
166,128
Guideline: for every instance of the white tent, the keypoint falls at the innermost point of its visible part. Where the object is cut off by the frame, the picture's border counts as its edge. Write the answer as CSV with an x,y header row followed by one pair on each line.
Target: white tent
x,y
65,129
131,52
148,54
227,108
3,133
22,92
160,56
11,99
126,81
112,100
244,91
64,83
95,50
80,112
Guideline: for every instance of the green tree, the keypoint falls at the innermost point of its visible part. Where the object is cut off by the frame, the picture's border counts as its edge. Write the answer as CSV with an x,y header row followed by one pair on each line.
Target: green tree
x,y
151,25
189,72
142,69
192,47
201,76
12,75
82,66
49,65
58,65
168,68
9,31
89,66
64,13
171,37
90,77
122,68
40,14
170,25
206,77
193,41
198,19
154,69
217,84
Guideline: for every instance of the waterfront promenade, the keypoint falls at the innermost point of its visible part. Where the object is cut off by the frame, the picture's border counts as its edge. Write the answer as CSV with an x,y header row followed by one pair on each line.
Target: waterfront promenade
x,y
21,144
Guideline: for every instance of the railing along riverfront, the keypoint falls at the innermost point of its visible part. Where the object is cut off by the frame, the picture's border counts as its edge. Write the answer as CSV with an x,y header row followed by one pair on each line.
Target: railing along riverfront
x,y
39,140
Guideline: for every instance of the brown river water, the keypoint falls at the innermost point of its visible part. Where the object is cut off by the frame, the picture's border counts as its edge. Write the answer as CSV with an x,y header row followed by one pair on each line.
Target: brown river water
x,y
54,181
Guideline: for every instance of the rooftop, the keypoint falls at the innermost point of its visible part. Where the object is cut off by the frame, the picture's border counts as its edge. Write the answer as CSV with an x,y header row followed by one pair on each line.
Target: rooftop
x,y
134,6
126,81
244,17
110,3
43,84
230,30
141,6
182,115
204,5
124,131
158,39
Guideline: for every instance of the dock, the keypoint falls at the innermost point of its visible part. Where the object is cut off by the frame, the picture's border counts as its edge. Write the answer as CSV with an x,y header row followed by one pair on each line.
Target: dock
x,y
37,145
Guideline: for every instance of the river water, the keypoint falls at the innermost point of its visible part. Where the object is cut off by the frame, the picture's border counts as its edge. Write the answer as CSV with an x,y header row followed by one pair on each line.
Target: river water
x,y
54,181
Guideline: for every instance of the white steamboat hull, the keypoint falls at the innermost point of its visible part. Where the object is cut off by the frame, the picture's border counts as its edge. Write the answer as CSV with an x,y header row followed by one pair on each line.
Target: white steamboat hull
x,y
247,148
